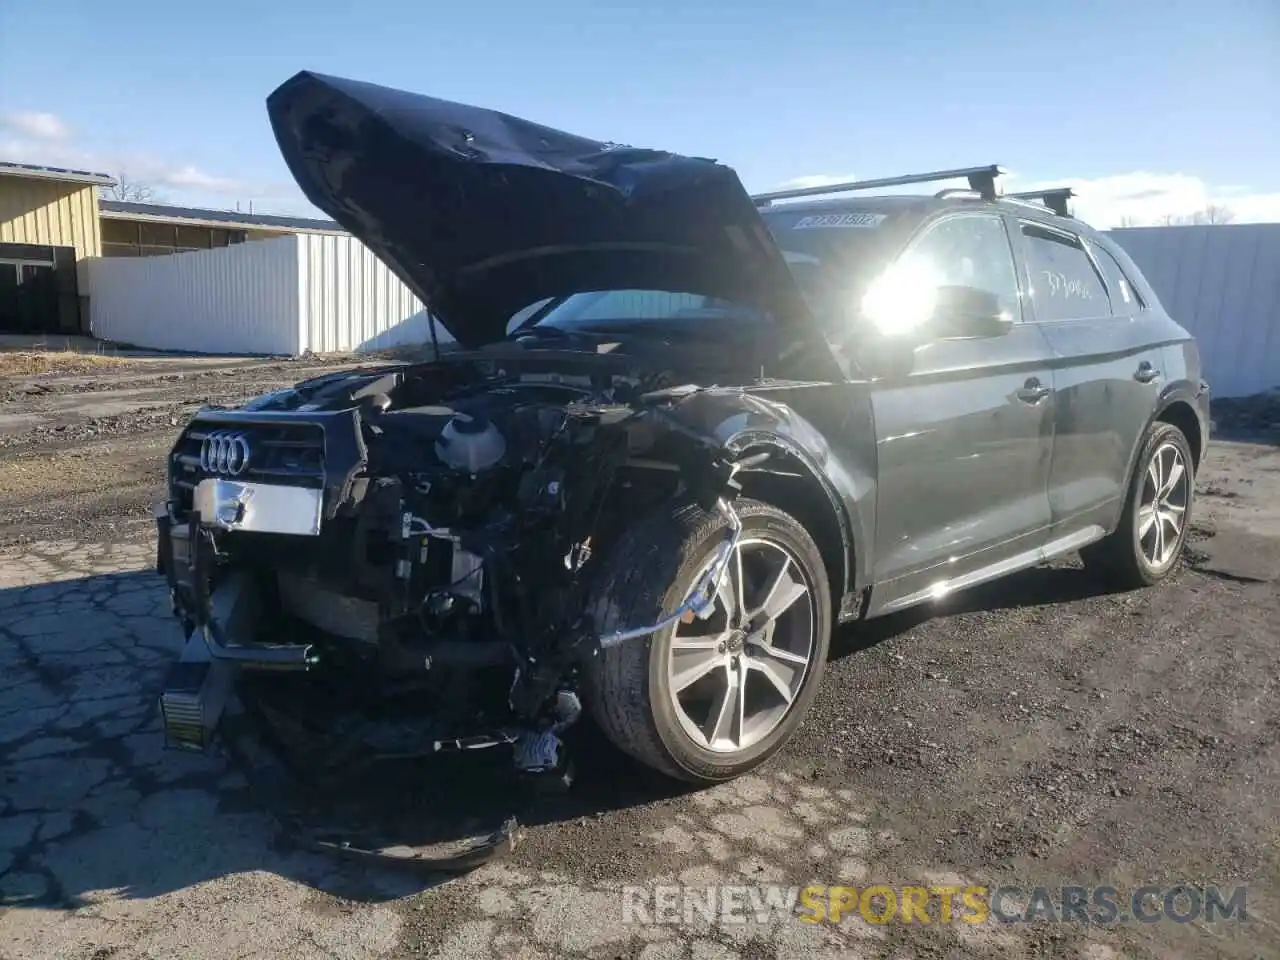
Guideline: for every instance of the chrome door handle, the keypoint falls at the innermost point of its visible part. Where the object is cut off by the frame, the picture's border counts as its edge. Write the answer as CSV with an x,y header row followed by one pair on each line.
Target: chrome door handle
x,y
1146,373
1033,391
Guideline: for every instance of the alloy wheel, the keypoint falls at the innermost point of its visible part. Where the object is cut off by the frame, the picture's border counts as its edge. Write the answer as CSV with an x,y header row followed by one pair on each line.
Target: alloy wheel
x,y
1162,509
733,675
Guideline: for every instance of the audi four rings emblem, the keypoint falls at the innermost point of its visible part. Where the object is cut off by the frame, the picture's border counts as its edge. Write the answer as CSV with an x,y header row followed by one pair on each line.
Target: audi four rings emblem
x,y
224,452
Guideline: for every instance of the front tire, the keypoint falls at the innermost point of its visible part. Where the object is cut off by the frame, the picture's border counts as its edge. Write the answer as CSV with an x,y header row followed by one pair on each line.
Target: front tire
x,y
1152,532
709,700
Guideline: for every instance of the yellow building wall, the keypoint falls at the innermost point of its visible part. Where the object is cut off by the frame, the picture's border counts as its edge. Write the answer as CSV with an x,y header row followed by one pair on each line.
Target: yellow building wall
x,y
50,213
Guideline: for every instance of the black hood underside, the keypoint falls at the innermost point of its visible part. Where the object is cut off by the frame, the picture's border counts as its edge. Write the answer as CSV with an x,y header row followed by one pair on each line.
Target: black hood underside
x,y
482,214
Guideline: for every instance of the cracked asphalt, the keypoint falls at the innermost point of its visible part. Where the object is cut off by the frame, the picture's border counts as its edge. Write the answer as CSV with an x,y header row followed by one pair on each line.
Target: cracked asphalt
x,y
1042,730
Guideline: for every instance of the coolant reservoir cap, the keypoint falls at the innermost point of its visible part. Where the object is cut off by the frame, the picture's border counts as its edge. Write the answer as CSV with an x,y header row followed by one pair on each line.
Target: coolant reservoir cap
x,y
462,423
471,444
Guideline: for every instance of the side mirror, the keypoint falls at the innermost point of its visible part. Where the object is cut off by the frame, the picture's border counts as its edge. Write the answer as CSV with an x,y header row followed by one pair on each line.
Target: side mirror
x,y
963,313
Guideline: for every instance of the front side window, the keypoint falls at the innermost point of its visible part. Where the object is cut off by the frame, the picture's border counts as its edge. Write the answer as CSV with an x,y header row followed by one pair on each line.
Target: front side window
x,y
971,250
1065,285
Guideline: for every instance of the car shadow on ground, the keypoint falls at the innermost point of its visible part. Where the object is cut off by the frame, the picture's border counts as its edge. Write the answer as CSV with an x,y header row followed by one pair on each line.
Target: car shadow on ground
x,y
91,802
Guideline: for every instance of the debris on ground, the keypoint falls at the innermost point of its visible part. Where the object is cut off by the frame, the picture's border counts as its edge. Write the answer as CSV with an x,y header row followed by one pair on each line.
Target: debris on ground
x,y
23,363
1257,413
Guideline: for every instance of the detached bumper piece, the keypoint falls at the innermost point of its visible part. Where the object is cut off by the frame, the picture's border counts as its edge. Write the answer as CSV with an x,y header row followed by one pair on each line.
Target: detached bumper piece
x,y
259,758
466,854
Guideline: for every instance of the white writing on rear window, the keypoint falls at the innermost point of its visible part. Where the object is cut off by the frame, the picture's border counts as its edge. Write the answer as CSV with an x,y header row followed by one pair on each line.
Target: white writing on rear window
x,y
1060,285
839,220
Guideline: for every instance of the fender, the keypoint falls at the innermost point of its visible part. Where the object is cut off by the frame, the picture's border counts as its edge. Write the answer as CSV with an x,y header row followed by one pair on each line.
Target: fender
x,y
739,420
849,574
1194,395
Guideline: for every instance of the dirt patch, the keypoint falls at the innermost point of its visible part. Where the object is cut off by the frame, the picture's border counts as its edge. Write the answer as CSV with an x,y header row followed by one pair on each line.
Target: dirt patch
x,y
102,486
26,363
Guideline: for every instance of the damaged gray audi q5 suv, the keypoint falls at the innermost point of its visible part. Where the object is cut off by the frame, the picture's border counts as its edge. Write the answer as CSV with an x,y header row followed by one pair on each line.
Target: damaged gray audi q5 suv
x,y
685,432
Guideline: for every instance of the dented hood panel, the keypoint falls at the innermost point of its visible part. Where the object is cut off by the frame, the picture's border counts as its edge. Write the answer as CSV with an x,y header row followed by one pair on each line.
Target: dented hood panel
x,y
482,213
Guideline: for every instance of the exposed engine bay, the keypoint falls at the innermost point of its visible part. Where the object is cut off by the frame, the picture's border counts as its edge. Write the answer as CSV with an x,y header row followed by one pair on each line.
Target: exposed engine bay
x,y
417,543
401,560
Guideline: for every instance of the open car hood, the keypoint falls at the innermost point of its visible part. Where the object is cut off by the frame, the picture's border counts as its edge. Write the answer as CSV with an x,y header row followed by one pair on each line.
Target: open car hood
x,y
482,213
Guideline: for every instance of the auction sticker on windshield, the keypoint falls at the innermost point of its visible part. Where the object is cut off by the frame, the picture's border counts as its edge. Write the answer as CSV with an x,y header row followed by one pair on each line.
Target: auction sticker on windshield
x,y
839,220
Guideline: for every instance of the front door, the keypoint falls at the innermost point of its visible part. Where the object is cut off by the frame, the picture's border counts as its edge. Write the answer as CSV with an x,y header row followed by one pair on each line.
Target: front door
x,y
965,440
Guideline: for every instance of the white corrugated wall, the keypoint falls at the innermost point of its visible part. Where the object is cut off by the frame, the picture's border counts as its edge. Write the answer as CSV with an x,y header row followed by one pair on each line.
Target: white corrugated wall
x,y
237,299
350,300
1221,282
316,292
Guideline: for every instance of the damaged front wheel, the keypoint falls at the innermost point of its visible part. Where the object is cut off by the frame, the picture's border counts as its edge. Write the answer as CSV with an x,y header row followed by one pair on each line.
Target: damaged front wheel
x,y
710,697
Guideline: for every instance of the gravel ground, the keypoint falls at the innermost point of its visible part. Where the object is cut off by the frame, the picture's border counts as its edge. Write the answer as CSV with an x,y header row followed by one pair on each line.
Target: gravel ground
x,y
1037,731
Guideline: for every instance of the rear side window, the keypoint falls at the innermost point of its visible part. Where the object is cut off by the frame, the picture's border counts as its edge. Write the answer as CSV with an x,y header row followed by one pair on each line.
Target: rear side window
x,y
1124,298
1065,285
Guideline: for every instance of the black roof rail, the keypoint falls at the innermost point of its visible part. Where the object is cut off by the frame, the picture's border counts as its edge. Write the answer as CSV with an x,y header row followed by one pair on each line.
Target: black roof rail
x,y
982,180
1055,198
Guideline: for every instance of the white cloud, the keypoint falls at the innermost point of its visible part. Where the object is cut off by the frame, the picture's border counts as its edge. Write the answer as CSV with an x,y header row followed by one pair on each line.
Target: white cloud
x,y
193,178
45,140
48,143
1141,198
1129,198
36,126
44,153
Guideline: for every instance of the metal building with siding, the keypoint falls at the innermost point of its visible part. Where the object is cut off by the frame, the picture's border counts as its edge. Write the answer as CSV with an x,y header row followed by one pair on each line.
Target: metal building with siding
x,y
48,227
1221,282
155,229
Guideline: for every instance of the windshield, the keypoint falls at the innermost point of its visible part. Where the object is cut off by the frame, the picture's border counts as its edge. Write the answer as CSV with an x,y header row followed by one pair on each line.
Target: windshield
x,y
833,256
602,309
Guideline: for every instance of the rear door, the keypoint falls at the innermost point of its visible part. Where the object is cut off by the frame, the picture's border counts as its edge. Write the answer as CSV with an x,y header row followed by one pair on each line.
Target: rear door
x,y
1107,370
964,441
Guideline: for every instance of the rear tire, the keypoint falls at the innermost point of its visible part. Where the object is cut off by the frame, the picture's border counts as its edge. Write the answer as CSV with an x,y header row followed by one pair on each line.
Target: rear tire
x,y
642,692
1152,532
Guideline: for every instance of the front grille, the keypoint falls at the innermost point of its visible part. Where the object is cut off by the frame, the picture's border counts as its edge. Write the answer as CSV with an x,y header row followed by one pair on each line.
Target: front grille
x,y
287,454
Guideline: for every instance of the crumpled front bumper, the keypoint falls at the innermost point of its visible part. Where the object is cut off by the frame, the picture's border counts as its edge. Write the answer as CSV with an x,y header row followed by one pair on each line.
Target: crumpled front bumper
x,y
218,627
225,617
199,700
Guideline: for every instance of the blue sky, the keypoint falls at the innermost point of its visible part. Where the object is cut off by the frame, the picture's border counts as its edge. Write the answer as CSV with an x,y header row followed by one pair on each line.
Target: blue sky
x,y
1147,106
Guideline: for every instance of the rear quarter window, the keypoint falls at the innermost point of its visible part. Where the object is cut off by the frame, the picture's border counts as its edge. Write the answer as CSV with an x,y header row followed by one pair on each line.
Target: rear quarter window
x,y
1065,285
1124,295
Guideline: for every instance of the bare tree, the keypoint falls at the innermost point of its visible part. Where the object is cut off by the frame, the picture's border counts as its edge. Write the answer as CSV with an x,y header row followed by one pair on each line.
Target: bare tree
x,y
1217,213
130,190
1209,214
1213,213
